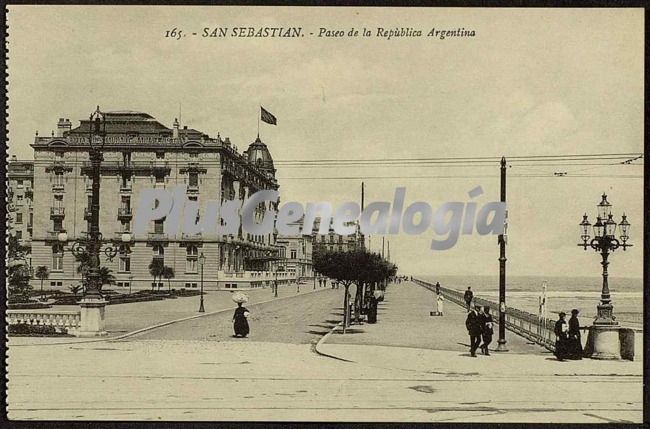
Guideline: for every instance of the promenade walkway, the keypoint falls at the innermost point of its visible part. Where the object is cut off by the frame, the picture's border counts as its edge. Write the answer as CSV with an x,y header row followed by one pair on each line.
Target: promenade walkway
x,y
404,320
406,337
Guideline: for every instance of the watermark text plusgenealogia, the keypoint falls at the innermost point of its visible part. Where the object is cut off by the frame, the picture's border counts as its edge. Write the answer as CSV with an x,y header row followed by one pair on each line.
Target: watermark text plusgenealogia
x,y
256,215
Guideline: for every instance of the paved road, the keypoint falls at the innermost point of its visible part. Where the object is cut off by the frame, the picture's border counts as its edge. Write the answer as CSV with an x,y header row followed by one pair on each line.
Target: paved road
x,y
302,319
233,380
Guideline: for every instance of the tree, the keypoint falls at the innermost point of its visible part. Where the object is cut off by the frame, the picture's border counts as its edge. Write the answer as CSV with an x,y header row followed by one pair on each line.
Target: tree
x,y
42,273
168,273
106,277
156,269
17,271
341,267
358,267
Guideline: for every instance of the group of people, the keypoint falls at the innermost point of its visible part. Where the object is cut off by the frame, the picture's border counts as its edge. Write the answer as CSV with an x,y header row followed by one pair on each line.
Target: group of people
x,y
322,282
479,325
568,344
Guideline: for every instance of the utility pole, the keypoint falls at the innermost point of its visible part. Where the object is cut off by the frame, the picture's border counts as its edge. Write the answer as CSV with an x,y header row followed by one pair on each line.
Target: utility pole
x,y
501,344
382,247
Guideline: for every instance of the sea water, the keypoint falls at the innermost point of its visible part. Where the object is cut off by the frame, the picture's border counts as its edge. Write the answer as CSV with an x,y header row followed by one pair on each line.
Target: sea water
x,y
562,294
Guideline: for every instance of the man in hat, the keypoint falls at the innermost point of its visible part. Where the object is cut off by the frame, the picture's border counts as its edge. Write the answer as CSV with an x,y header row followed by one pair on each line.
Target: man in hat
x,y
473,325
575,340
562,337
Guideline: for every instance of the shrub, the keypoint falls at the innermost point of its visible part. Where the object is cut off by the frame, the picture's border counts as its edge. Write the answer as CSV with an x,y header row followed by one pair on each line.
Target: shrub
x,y
33,330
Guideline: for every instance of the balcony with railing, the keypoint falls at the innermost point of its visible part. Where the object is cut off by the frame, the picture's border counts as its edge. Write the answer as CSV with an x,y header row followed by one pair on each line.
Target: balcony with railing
x,y
57,212
157,236
52,235
192,237
124,213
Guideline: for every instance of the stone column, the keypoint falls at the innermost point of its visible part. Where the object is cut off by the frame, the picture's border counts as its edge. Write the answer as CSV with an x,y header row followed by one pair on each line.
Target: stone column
x,y
92,317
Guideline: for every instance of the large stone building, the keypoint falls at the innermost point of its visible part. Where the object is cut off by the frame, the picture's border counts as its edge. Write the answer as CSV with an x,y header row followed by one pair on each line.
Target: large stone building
x,y
139,153
20,205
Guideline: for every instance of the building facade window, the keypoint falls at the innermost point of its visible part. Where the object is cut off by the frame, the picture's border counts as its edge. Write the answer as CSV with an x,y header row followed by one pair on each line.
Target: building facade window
x,y
58,178
158,226
159,253
19,218
293,254
194,179
125,262
191,264
57,258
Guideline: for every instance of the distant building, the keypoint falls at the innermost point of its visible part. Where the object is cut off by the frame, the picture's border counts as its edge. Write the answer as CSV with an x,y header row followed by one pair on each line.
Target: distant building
x,y
336,242
140,152
20,206
298,254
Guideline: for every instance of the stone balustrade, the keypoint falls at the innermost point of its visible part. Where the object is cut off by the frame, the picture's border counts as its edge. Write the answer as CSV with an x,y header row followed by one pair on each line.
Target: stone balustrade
x,y
64,321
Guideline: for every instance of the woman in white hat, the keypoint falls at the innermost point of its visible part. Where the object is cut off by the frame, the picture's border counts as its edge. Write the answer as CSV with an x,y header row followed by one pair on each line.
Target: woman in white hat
x,y
240,318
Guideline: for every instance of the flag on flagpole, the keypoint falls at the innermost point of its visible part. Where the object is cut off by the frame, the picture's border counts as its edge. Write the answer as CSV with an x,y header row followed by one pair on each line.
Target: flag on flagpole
x,y
268,117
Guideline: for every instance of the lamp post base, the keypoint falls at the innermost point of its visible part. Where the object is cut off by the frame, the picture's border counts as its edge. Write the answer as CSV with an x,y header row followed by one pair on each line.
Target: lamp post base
x,y
501,346
603,342
92,317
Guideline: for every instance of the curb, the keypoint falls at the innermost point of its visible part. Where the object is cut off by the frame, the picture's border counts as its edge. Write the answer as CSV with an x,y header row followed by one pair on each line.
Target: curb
x,y
160,325
323,339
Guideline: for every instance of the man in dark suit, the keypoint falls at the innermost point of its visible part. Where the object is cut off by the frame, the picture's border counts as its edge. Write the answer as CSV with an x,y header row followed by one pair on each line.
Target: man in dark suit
x,y
473,325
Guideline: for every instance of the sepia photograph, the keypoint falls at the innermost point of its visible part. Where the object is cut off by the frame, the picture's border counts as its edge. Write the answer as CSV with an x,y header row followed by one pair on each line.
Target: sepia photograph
x,y
324,214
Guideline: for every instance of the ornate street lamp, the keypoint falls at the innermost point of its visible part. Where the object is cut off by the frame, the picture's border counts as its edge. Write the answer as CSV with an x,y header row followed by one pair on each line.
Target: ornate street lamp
x,y
92,244
201,263
604,241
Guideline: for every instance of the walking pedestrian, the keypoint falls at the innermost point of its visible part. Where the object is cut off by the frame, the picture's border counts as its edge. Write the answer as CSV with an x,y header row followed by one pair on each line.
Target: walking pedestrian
x,y
469,296
440,305
562,337
487,330
240,318
437,288
473,325
575,339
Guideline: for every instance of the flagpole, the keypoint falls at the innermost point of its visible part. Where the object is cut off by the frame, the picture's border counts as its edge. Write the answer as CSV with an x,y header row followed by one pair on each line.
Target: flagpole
x,y
259,113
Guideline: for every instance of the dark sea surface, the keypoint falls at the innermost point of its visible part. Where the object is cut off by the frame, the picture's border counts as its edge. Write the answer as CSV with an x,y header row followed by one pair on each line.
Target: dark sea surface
x,y
562,294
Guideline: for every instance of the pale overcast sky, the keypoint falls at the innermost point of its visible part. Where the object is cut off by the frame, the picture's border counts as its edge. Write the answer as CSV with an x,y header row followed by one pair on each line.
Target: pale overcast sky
x,y
532,82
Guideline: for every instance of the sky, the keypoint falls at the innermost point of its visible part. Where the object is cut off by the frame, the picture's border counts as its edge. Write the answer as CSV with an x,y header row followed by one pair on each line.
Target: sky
x,y
531,82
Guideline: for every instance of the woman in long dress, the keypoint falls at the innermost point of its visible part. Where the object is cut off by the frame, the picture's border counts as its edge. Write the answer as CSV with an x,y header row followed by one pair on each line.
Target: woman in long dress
x,y
240,320
562,337
575,339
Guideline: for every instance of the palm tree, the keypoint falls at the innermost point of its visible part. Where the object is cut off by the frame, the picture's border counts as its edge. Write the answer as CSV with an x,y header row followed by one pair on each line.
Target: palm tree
x,y
42,273
168,273
106,276
156,269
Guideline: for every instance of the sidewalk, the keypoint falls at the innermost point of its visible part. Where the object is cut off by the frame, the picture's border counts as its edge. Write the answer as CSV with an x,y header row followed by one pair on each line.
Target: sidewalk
x,y
403,320
124,318
407,337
